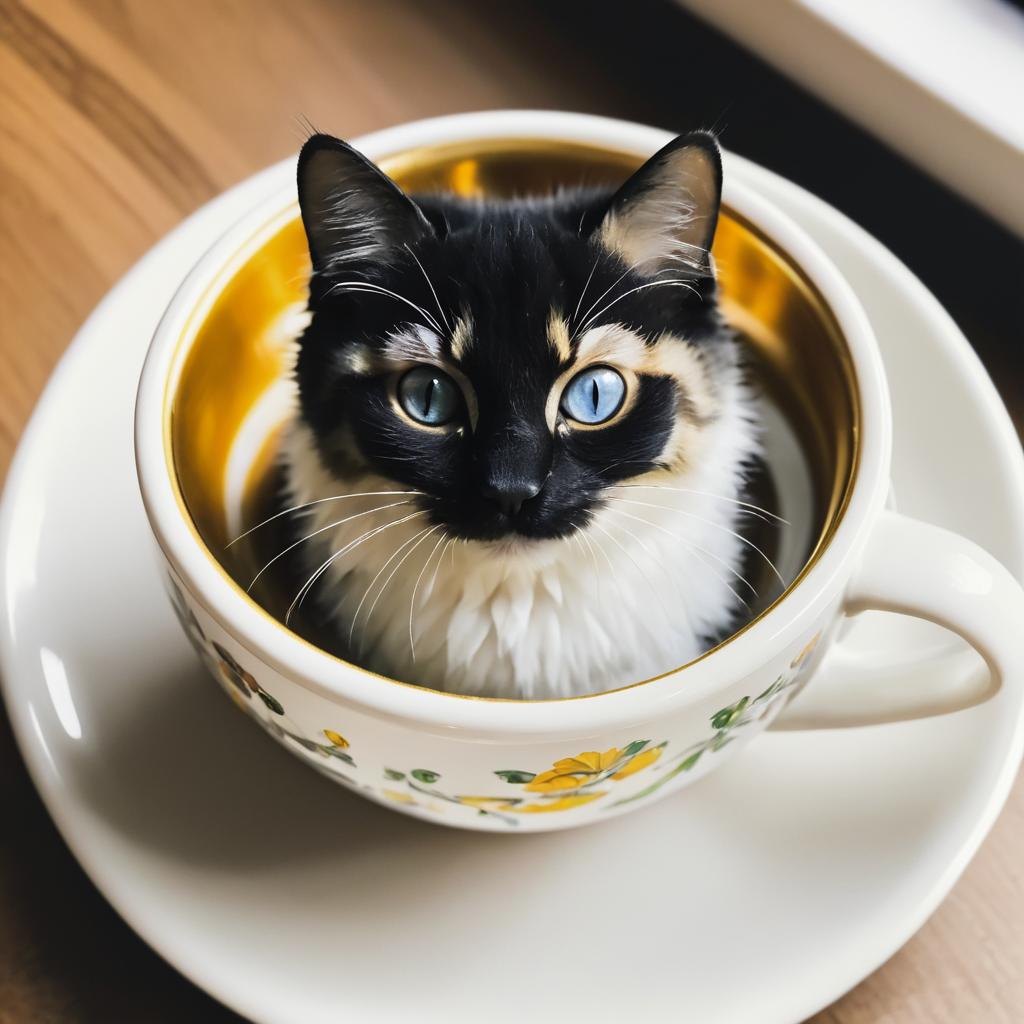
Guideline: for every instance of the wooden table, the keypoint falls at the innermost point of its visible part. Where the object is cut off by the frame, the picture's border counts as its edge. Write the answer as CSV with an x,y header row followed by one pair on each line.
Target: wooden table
x,y
118,117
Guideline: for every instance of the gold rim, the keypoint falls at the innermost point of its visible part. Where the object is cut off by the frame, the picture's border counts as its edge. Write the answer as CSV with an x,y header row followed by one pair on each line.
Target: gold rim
x,y
496,165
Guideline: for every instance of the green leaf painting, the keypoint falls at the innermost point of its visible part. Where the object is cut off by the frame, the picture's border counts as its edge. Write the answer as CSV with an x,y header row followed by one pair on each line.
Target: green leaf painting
x,y
634,748
516,778
728,716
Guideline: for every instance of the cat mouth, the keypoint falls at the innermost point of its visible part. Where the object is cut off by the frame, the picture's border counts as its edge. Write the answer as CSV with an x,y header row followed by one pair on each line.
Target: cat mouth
x,y
517,532
508,533
533,524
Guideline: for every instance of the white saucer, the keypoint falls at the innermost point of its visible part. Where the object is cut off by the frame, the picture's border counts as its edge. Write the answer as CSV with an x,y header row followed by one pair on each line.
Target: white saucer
x,y
759,895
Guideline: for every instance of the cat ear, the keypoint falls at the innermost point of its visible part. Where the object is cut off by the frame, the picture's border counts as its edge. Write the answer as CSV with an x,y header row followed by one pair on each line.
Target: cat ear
x,y
664,217
354,215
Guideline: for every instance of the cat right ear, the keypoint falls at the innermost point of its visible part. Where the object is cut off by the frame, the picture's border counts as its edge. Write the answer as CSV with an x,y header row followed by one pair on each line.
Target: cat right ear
x,y
355,216
664,216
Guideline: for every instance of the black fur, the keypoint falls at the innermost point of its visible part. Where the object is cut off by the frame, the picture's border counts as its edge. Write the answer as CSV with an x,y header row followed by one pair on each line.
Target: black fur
x,y
506,265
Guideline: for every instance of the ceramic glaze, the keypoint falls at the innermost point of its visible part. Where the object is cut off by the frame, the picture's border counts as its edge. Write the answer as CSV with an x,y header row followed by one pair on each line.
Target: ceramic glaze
x,y
499,786
439,752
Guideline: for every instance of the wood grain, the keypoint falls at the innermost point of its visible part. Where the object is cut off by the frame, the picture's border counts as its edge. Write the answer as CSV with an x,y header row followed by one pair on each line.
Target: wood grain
x,y
119,117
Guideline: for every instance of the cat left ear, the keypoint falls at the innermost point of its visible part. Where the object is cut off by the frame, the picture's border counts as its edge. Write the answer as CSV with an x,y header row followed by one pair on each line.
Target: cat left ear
x,y
355,216
664,216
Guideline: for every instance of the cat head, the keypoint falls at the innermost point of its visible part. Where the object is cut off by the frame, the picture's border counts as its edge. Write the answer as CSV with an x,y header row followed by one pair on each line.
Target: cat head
x,y
509,359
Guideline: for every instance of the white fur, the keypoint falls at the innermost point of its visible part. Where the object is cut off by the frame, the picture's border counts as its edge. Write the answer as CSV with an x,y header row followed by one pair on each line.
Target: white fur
x,y
625,601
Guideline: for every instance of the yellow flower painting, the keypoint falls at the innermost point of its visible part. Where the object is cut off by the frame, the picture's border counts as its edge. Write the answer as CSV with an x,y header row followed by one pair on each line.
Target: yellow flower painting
x,y
571,782
565,803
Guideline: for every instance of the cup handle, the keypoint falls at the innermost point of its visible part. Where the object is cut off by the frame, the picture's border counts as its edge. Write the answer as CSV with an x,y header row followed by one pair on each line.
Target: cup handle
x,y
918,569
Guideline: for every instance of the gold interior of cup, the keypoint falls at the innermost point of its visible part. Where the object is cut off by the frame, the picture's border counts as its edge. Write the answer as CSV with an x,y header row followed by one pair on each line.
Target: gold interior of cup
x,y
242,347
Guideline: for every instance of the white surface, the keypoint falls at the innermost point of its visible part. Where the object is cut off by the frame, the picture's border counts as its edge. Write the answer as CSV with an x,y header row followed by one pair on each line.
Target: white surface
x,y
759,895
941,81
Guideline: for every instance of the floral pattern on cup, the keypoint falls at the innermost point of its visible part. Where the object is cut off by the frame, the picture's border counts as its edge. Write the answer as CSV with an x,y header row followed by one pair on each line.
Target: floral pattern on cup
x,y
571,782
241,685
579,780
727,722
243,681
336,747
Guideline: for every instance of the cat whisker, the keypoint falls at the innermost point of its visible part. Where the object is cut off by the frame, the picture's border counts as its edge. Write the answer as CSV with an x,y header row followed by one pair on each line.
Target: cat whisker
x,y
680,244
579,302
636,565
673,283
450,546
611,567
415,540
319,501
695,263
378,289
397,458
305,129
415,590
593,305
632,268
576,537
692,545
380,572
697,550
757,510
315,533
693,549
626,462
311,582
597,569
653,555
716,526
351,545
430,285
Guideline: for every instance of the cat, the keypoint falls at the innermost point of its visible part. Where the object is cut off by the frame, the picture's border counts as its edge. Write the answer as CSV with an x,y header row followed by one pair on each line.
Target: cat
x,y
523,431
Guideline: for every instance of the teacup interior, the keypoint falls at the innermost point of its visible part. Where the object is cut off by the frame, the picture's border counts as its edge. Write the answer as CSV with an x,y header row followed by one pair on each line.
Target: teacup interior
x,y
233,393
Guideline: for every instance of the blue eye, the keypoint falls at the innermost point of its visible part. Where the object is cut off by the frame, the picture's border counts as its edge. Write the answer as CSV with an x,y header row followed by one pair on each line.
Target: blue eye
x,y
429,395
593,396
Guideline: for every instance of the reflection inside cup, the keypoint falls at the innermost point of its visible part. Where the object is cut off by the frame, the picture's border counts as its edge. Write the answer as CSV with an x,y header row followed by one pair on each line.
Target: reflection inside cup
x,y
233,394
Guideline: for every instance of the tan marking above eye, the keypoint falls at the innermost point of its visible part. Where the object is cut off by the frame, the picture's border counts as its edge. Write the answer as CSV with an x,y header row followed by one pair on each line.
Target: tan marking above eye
x,y
614,344
558,337
462,336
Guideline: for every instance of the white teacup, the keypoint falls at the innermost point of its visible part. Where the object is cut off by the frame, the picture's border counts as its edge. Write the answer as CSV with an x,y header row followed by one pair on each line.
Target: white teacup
x,y
205,419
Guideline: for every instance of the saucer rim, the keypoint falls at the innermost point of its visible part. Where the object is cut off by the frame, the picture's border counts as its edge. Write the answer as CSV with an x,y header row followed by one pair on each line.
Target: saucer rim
x,y
68,819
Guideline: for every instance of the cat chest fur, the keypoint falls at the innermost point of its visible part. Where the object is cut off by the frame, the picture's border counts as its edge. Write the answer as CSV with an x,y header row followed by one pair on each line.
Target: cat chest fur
x,y
639,592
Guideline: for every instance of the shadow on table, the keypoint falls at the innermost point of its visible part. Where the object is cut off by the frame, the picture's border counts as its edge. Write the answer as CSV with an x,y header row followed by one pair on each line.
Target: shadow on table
x,y
185,774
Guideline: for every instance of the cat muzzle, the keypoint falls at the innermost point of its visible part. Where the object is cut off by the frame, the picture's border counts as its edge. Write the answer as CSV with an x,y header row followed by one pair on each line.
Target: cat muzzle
x,y
509,495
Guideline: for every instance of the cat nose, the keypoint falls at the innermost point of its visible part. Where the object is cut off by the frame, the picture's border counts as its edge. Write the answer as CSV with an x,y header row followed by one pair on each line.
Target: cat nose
x,y
510,495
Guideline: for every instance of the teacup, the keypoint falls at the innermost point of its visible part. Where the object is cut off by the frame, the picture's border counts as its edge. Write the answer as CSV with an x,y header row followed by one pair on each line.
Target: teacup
x,y
211,398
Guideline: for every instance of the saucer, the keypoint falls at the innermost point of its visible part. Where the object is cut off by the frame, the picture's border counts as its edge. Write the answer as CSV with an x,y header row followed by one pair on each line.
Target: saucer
x,y
760,895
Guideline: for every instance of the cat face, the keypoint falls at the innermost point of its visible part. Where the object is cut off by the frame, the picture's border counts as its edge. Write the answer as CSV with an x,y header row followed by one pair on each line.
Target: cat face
x,y
511,360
